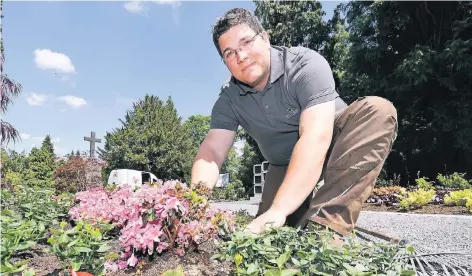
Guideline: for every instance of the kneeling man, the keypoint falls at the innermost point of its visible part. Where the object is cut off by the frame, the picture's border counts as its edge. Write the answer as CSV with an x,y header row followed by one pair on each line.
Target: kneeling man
x,y
324,155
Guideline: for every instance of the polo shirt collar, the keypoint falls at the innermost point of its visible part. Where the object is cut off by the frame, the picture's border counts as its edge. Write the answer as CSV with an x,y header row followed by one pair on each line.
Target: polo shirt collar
x,y
276,71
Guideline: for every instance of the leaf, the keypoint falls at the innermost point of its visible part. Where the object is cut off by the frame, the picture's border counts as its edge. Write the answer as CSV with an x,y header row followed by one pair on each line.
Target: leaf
x,y
252,268
80,249
104,248
283,259
290,272
238,259
76,266
63,238
72,243
408,272
273,272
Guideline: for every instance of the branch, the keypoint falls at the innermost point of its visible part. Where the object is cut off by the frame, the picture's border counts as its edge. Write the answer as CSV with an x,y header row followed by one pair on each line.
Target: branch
x,y
8,132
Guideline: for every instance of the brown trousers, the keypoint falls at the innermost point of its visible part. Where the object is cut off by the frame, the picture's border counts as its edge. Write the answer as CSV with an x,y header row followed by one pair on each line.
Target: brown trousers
x,y
363,136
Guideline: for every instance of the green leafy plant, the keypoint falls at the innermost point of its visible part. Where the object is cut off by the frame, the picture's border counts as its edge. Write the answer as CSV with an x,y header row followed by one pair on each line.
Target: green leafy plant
x,y
416,199
43,205
423,183
455,180
17,235
289,251
83,247
460,198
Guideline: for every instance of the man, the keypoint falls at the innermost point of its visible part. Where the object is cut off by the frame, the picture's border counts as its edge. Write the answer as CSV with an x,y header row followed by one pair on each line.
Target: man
x,y
285,98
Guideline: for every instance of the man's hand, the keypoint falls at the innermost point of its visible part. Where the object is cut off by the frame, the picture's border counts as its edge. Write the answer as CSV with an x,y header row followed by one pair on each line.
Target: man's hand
x,y
271,218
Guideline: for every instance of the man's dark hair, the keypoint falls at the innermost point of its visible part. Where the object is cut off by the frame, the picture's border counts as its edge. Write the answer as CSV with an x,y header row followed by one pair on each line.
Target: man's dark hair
x,y
232,18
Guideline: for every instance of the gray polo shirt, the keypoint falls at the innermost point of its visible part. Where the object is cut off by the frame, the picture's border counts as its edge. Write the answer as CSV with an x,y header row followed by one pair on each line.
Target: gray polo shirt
x,y
299,78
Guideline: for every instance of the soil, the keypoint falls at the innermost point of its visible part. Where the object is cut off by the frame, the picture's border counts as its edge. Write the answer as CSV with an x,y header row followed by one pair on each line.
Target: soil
x,y
193,264
428,209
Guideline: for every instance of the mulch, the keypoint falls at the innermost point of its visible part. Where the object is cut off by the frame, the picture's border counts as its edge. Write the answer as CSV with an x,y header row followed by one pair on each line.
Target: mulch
x,y
428,209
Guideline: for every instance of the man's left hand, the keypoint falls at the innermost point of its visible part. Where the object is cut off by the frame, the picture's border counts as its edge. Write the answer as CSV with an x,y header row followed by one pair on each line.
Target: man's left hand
x,y
271,218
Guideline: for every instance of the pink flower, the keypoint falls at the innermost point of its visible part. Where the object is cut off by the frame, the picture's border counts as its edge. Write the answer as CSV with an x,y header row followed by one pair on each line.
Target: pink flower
x,y
132,261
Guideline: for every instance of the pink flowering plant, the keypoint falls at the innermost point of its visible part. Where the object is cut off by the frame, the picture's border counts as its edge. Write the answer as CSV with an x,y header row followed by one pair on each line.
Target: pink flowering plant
x,y
154,218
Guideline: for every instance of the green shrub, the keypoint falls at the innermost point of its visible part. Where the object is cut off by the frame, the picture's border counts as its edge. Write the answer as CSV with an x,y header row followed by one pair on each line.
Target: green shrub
x,y
456,180
233,191
82,247
423,183
17,235
416,199
460,198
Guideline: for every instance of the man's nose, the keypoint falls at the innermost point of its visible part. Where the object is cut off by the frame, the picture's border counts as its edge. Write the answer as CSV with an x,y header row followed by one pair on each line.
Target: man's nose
x,y
242,55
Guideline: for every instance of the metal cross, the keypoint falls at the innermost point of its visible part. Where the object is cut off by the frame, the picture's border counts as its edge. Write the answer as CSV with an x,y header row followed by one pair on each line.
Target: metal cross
x,y
92,141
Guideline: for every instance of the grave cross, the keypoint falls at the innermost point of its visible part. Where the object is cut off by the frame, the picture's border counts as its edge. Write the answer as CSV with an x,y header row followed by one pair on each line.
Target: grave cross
x,y
92,141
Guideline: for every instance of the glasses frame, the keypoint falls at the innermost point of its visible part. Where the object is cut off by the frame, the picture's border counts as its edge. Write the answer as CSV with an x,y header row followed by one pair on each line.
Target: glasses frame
x,y
246,48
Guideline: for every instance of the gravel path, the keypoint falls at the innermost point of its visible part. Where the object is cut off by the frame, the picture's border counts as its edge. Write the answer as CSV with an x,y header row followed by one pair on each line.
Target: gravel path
x,y
436,232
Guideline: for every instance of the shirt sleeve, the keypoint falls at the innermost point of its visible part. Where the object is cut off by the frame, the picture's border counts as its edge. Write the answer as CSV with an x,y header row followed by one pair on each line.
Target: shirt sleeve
x,y
222,115
313,81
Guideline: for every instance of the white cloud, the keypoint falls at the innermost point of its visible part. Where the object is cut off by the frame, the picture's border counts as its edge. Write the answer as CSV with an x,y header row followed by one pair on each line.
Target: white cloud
x,y
174,3
25,135
136,7
36,99
141,7
47,59
38,138
73,101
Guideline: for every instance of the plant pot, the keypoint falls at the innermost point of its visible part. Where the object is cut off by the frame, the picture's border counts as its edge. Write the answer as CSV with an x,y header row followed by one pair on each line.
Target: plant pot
x,y
79,273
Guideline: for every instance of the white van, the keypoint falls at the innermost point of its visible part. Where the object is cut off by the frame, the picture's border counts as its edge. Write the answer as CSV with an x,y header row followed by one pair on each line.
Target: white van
x,y
132,177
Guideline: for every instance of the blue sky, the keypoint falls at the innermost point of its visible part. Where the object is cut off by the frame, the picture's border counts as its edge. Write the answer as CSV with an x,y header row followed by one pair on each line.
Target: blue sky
x,y
82,64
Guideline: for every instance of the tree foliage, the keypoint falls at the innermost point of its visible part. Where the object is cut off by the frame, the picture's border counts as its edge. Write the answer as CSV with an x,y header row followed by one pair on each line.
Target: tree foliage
x,y
78,173
419,56
198,126
9,90
151,138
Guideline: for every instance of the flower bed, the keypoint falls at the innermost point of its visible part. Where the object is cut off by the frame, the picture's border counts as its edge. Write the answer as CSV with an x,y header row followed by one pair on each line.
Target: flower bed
x,y
154,229
438,200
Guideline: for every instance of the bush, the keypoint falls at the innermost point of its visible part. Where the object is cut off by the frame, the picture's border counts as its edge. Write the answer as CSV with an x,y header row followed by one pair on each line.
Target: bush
x,y
154,218
416,199
82,247
460,198
233,191
78,174
423,183
456,180
382,180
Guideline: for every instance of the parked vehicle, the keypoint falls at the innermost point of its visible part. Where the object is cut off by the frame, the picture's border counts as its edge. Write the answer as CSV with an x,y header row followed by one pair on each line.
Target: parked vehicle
x,y
133,178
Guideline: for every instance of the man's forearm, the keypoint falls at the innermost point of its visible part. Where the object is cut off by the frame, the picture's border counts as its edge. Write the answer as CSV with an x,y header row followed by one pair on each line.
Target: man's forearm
x,y
302,175
205,168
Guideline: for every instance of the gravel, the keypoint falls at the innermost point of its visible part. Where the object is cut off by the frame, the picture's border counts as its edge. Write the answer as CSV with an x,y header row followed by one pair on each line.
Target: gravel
x,y
435,232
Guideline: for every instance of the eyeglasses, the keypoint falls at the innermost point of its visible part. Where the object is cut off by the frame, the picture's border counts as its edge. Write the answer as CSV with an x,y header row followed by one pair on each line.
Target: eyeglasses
x,y
245,46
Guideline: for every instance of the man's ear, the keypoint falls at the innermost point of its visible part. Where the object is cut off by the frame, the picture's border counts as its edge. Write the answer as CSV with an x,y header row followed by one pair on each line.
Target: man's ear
x,y
265,36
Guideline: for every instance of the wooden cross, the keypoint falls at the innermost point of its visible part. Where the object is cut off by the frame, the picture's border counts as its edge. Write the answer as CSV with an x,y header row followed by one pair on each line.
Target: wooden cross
x,y
92,141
